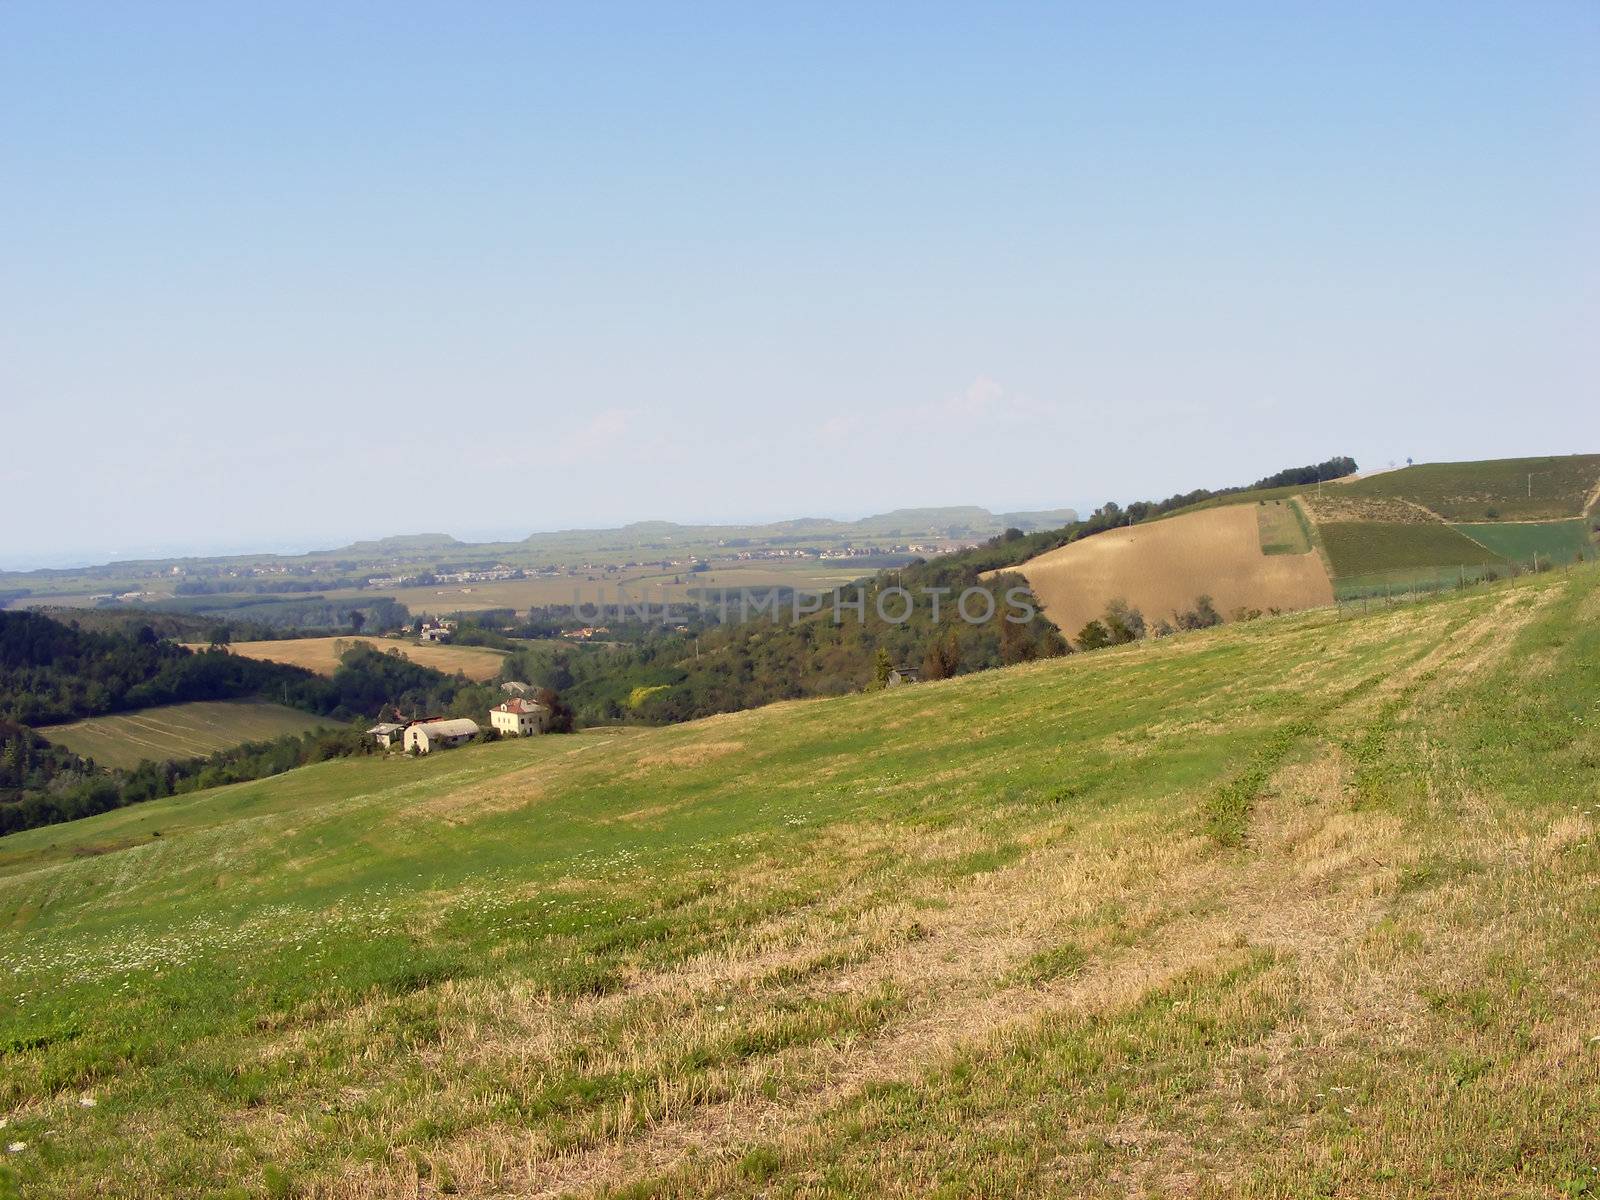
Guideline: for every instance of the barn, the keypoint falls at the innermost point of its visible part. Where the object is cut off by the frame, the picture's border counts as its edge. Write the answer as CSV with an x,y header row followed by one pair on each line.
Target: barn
x,y
427,736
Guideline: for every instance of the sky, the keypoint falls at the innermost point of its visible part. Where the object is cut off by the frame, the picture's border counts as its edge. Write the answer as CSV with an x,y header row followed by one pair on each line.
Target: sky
x,y
280,276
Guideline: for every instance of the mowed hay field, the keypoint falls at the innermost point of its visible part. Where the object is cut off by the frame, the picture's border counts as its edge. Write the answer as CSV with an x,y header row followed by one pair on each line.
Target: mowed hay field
x,y
190,730
322,654
1161,567
1283,527
1301,907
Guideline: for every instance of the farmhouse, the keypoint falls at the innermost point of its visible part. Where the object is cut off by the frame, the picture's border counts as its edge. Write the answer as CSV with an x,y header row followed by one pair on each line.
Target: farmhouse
x,y
427,736
901,675
520,717
435,632
386,733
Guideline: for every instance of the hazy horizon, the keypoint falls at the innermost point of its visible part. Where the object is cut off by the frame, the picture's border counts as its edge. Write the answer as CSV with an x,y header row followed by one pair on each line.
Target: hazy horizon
x,y
298,276
470,535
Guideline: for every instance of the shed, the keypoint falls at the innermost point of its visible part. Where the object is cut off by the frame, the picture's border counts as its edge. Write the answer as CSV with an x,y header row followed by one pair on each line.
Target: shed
x,y
386,733
902,675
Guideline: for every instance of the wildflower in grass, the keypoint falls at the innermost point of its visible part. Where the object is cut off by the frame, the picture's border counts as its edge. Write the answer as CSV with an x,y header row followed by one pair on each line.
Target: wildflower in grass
x,y
17,1147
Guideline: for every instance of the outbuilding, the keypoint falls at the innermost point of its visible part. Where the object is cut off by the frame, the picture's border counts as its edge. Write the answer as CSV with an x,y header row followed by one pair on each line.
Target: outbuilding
x,y
427,736
386,733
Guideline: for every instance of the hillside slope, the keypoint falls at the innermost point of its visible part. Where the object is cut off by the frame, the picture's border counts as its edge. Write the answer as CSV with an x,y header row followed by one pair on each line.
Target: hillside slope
x,y
1552,488
1422,527
1161,567
1304,906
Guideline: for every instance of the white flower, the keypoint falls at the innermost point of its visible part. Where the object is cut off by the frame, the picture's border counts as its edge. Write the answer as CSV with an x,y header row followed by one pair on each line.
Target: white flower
x,y
86,1102
17,1147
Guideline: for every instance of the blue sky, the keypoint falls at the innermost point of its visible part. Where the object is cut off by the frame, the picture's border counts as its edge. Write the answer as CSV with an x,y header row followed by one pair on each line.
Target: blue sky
x,y
281,275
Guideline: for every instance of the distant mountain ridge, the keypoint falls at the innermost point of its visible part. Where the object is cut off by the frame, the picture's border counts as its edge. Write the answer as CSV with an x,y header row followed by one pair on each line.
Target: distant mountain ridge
x,y
955,521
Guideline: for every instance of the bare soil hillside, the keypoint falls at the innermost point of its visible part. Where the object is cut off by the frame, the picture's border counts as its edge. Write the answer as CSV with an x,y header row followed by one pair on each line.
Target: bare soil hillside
x,y
1160,568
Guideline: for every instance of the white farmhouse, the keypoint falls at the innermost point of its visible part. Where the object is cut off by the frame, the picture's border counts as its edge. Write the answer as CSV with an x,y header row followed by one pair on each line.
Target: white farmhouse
x,y
427,736
520,717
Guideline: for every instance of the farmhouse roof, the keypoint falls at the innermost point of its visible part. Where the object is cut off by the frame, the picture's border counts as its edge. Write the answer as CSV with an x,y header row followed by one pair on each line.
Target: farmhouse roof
x,y
454,727
520,705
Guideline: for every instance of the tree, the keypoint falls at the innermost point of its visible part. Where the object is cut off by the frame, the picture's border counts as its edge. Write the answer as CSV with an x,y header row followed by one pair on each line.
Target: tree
x,y
882,665
1203,615
561,716
943,657
1093,636
1122,622
357,620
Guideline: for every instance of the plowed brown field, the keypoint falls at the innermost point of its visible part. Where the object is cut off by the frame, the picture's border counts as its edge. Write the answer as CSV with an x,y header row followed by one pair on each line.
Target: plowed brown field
x,y
1161,567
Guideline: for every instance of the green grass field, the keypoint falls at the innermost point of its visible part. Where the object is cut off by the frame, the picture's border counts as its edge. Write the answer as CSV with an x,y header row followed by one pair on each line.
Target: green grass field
x,y
1305,906
1554,542
1363,548
1499,489
1284,527
190,730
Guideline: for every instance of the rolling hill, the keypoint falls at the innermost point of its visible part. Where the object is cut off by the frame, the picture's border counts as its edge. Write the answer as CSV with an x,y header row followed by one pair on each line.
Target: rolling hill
x,y
1422,527
1162,567
1505,489
1306,906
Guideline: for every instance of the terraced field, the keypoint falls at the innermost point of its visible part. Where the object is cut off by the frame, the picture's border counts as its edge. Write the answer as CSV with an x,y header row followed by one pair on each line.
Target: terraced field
x,y
1306,906
190,730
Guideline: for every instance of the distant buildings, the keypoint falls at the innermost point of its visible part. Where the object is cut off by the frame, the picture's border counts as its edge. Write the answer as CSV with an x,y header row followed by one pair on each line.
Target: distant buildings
x,y
514,687
435,631
520,717
904,675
